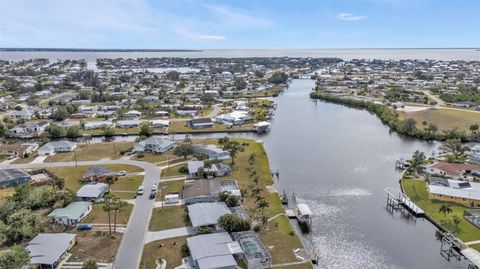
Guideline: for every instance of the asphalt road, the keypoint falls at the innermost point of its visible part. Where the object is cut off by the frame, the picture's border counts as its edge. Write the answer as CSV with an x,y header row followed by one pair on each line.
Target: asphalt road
x,y
130,250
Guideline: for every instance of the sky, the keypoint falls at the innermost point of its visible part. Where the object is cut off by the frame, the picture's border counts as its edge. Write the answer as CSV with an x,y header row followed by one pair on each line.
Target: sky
x,y
249,24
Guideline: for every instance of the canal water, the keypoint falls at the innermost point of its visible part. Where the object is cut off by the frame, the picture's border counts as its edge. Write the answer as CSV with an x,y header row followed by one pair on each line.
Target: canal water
x,y
338,160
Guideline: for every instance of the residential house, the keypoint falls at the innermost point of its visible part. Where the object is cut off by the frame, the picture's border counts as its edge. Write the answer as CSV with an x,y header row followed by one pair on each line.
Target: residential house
x,y
133,114
47,250
201,191
186,113
214,170
207,214
92,125
29,129
200,123
72,214
11,177
57,146
155,144
474,155
236,117
159,123
92,192
18,150
98,173
453,170
124,124
213,251
456,191
211,151
23,114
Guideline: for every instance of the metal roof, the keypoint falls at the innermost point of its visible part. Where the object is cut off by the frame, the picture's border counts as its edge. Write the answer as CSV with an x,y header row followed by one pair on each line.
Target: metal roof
x,y
212,250
203,214
48,248
92,190
72,211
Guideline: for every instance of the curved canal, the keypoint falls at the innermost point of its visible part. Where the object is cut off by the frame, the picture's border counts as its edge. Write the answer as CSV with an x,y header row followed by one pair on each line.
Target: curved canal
x,y
338,160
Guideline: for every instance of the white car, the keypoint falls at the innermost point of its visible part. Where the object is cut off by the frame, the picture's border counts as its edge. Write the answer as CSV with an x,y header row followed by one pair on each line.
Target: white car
x,y
121,173
141,190
154,187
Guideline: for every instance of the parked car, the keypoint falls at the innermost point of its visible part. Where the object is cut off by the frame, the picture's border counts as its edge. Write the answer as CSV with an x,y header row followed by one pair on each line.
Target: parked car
x,y
154,187
84,227
141,190
131,152
153,194
121,173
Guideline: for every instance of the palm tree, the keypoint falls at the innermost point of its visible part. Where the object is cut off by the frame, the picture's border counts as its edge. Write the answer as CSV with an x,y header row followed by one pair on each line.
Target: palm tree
x,y
108,207
445,209
118,205
256,191
262,204
264,220
456,221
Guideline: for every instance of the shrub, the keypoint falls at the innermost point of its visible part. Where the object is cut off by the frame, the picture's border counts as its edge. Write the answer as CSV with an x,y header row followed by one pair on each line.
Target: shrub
x,y
233,223
140,155
256,228
185,251
183,169
232,201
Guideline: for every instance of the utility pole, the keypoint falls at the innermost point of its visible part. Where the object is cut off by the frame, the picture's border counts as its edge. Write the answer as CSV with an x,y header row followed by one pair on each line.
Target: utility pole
x,y
114,149
75,156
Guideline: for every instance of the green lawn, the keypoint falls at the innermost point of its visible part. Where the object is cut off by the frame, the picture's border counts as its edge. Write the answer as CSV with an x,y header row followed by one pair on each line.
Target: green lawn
x,y
156,158
279,240
93,152
168,217
175,186
126,187
180,127
172,171
72,174
99,216
417,191
168,249
445,119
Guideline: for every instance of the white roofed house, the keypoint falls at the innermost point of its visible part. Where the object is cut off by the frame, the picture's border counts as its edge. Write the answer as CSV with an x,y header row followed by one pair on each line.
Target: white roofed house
x,y
155,144
207,214
133,114
47,250
213,251
124,124
92,125
24,114
211,151
29,129
236,117
92,192
159,123
56,146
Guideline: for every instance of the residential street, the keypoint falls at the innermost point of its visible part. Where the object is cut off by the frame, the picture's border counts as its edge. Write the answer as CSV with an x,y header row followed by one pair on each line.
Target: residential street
x,y
130,250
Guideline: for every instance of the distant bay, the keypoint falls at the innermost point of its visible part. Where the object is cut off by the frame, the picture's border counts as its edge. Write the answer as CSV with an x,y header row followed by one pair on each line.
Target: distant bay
x,y
90,55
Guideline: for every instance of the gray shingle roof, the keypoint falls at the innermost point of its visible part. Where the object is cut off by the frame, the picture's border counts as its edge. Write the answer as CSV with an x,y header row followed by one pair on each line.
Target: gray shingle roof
x,y
203,214
212,250
48,248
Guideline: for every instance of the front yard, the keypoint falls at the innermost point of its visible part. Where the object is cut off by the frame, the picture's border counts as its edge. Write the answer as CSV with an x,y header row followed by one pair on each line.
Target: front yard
x,y
168,217
93,152
168,249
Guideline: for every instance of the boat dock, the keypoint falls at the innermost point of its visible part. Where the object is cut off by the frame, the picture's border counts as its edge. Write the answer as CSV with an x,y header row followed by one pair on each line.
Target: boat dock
x,y
397,200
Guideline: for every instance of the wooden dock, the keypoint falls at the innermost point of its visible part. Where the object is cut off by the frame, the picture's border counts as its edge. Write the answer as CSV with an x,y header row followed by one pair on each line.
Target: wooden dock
x,y
397,200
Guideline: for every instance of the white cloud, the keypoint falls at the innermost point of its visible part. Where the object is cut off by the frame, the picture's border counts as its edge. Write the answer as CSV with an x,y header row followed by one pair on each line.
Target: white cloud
x,y
349,17
233,17
184,32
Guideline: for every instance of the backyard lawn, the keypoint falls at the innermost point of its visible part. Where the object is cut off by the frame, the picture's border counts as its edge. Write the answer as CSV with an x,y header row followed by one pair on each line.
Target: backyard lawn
x,y
93,152
173,171
419,195
168,249
72,174
168,217
99,216
445,119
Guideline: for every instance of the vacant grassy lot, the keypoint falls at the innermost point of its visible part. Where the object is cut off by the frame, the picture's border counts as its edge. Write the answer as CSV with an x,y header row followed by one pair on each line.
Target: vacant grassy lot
x,y
173,171
280,240
169,217
126,187
158,158
417,191
101,248
72,174
168,249
444,118
99,216
175,186
180,127
93,152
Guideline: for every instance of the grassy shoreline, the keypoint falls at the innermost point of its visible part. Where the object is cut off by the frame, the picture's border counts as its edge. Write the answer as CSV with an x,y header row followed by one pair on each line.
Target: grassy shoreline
x,y
391,118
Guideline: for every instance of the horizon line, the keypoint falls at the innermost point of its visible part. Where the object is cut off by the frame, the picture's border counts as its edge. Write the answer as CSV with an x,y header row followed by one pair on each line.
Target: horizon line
x,y
203,49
